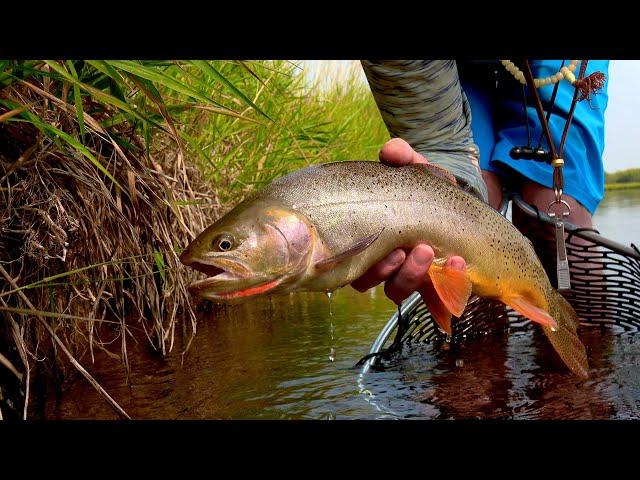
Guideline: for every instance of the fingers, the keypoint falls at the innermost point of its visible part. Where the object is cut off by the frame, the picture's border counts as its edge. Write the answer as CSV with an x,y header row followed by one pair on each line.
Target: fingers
x,y
412,275
456,263
396,152
380,271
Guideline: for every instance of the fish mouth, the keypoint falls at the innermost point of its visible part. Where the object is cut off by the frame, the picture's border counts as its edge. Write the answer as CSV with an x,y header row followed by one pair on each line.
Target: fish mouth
x,y
214,266
228,280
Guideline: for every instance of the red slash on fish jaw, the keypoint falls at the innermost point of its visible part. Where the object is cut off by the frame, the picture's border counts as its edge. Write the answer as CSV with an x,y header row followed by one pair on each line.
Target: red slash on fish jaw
x,y
255,290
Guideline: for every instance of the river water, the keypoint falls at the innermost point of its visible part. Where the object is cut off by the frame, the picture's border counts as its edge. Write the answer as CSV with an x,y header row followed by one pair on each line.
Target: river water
x,y
293,357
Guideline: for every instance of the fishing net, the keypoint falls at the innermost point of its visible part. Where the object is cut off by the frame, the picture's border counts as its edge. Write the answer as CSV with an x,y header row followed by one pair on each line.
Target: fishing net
x,y
605,281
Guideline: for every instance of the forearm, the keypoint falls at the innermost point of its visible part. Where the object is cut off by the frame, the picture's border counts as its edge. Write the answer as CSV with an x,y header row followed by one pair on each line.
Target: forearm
x,y
421,101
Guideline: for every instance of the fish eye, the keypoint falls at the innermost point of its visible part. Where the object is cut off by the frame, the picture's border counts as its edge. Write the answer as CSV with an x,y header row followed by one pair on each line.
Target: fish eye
x,y
223,242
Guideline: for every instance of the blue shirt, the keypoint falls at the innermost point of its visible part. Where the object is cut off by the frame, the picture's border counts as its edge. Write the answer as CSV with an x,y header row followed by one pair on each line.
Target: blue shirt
x,y
498,125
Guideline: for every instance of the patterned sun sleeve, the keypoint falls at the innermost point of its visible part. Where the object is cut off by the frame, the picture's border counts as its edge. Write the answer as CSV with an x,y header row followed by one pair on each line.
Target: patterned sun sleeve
x,y
422,102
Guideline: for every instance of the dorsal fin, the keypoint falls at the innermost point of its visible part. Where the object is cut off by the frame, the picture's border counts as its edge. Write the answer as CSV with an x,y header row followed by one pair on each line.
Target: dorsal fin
x,y
439,171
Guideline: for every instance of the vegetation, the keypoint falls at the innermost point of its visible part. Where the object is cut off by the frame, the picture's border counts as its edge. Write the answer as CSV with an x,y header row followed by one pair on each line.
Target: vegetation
x,y
308,124
623,176
621,186
622,179
109,168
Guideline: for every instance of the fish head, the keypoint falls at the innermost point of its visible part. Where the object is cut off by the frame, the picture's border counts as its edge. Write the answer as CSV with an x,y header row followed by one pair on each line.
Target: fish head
x,y
254,249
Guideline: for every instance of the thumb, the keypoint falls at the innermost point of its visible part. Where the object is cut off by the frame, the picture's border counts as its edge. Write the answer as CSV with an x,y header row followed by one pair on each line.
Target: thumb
x,y
397,152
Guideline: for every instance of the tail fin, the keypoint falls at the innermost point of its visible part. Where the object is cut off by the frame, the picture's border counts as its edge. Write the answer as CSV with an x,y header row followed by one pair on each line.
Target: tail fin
x,y
564,339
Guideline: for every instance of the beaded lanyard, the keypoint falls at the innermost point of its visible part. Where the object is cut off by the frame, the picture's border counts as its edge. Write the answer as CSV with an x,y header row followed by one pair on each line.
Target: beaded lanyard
x,y
559,208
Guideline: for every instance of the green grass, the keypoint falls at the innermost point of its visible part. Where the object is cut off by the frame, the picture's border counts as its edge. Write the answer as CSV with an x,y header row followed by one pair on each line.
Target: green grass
x,y
291,125
621,186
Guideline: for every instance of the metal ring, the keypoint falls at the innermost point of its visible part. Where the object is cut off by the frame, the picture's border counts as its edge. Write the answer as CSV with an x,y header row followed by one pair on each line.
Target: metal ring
x,y
563,202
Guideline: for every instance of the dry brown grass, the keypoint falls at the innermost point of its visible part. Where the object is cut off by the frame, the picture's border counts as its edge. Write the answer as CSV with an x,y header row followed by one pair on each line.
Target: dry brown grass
x,y
59,214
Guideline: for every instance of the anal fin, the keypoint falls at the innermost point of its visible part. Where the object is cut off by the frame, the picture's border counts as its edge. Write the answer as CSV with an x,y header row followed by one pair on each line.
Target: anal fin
x,y
527,309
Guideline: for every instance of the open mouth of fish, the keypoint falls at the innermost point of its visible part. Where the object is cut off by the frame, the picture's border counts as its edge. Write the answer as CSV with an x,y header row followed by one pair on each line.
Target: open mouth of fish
x,y
228,279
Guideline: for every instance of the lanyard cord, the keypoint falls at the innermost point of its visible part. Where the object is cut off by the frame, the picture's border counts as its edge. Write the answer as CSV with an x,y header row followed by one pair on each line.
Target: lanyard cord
x,y
552,103
574,102
556,156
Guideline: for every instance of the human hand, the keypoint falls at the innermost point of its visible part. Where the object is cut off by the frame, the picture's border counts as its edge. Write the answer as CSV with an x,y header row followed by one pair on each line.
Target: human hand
x,y
406,270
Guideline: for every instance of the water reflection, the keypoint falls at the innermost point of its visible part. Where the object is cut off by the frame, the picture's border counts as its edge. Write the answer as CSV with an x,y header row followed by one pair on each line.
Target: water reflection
x,y
618,216
515,376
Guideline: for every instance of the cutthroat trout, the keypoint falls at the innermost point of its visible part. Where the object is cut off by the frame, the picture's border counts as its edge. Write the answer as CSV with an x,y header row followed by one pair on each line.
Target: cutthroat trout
x,y
321,227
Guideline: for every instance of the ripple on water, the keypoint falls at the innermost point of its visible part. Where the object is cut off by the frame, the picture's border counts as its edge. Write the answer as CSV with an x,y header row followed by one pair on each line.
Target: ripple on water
x,y
269,360
518,379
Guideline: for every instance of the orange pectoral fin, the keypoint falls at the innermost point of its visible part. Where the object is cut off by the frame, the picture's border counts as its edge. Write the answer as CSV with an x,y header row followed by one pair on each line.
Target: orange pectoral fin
x,y
453,287
438,311
440,314
527,309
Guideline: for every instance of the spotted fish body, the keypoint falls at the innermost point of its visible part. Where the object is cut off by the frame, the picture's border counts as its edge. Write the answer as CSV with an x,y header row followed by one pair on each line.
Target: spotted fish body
x,y
346,201
389,207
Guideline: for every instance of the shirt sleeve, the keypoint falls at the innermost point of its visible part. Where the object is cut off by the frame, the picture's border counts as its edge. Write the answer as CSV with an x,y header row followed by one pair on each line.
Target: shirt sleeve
x,y
421,101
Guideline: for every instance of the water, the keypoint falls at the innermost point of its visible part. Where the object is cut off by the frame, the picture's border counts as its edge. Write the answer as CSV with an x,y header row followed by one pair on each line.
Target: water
x,y
293,357
618,216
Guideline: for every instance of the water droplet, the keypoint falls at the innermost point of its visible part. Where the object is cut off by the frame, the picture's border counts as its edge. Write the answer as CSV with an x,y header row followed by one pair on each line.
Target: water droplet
x,y
329,297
